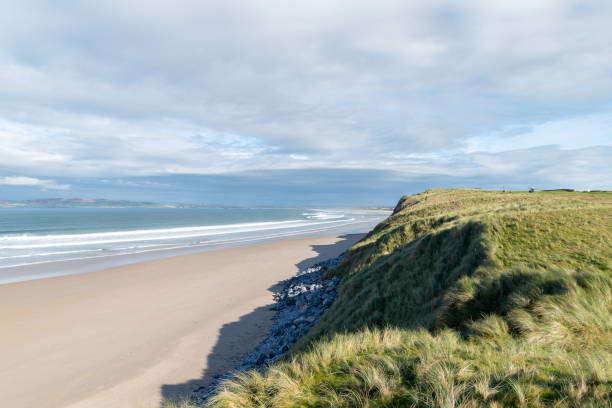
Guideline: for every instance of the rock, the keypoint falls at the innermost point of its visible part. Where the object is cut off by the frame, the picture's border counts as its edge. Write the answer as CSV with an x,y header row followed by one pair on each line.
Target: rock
x,y
300,302
328,275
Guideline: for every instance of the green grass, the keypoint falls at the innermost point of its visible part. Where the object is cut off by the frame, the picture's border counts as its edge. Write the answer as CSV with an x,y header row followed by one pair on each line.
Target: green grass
x,y
461,298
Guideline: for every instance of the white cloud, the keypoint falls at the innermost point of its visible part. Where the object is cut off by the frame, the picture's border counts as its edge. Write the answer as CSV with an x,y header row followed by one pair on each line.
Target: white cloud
x,y
32,182
422,87
572,133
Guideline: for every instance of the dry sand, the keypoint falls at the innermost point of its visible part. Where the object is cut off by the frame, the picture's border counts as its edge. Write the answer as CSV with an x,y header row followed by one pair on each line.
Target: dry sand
x,y
126,336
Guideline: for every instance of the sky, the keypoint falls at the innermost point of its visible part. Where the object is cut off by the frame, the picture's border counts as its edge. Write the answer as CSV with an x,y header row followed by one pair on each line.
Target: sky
x,y
303,102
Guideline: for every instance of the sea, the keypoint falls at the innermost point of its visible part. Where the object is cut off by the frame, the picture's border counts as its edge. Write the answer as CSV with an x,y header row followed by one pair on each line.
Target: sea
x,y
46,242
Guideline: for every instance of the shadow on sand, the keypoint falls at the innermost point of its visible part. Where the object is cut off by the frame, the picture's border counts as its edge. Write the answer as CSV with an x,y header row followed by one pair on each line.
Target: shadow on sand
x,y
225,356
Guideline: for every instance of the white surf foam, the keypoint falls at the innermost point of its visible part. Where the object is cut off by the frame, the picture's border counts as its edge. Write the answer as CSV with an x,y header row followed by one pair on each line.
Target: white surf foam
x,y
170,247
49,241
323,215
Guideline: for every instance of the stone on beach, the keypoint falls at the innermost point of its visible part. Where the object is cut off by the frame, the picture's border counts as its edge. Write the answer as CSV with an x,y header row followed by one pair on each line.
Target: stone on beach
x,y
300,303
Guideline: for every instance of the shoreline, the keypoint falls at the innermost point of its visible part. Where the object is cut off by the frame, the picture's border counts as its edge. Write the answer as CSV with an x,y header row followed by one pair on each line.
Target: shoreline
x,y
128,336
51,269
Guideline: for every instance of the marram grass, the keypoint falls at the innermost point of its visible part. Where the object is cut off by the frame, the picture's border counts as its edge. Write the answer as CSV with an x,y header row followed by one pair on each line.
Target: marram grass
x,y
404,368
462,298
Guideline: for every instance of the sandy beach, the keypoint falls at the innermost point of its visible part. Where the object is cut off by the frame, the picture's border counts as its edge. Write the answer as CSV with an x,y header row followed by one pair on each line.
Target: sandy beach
x,y
130,335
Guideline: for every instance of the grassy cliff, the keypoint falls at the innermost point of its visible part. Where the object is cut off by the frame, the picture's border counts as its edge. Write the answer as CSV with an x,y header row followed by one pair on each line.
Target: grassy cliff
x,y
461,298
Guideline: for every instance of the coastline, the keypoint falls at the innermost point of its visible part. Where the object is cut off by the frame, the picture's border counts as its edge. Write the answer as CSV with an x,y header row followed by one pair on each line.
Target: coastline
x,y
120,336
50,269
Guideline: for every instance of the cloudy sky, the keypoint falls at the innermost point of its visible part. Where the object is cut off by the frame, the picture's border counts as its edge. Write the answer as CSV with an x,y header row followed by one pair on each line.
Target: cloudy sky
x,y
314,102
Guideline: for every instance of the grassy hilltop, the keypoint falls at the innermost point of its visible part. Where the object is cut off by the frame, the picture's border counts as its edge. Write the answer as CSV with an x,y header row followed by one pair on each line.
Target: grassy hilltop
x,y
461,298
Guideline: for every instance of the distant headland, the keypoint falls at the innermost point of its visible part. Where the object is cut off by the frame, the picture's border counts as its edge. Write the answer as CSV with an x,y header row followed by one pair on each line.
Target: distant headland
x,y
93,203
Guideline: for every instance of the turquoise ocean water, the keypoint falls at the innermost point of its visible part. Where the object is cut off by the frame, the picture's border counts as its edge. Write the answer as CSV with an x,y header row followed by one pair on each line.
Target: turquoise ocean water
x,y
36,240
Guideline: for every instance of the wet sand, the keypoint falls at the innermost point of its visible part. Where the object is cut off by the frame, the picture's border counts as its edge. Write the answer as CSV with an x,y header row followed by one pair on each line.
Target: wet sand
x,y
126,336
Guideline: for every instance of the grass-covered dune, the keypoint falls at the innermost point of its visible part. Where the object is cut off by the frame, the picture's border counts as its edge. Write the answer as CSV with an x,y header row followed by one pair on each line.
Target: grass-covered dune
x,y
461,298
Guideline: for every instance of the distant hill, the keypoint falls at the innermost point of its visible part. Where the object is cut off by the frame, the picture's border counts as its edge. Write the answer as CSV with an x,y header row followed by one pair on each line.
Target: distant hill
x,y
89,203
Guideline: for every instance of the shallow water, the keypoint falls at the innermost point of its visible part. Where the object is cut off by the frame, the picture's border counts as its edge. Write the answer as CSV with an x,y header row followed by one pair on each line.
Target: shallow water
x,y
36,241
